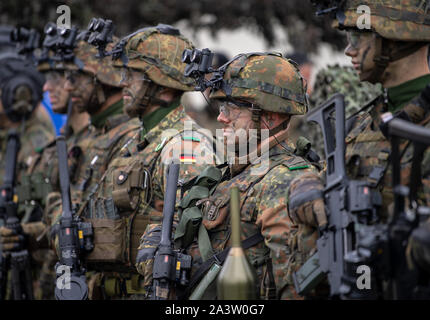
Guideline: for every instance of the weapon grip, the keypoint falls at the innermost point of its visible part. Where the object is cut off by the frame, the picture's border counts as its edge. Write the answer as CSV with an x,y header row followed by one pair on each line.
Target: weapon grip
x,y
334,140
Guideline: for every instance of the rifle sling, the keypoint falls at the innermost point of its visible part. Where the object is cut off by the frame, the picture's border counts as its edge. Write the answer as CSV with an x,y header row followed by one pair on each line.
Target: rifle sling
x,y
220,258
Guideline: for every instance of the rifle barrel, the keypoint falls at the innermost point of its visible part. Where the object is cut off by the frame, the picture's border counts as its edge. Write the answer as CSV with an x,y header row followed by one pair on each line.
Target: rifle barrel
x,y
169,203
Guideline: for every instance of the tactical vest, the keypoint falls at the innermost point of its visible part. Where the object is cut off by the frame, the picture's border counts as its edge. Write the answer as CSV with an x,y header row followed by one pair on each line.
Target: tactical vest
x,y
98,151
33,138
368,151
119,208
204,215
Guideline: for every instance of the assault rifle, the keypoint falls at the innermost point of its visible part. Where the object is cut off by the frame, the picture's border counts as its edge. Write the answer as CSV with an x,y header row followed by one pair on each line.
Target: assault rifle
x,y
75,238
349,204
171,267
382,246
17,261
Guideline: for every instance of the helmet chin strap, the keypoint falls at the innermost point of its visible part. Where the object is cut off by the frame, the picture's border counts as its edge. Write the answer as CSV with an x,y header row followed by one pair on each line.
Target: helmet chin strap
x,y
101,97
387,51
150,91
256,117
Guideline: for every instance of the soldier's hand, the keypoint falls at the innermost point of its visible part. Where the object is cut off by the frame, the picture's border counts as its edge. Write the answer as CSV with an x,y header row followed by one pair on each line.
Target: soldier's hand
x,y
12,240
418,250
306,200
146,252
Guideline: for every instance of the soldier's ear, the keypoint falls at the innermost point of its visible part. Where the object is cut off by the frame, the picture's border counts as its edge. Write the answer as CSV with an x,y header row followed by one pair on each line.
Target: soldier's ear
x,y
273,119
100,93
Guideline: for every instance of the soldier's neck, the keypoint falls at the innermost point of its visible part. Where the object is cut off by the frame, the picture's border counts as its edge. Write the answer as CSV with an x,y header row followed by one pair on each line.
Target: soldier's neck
x,y
109,102
408,68
78,121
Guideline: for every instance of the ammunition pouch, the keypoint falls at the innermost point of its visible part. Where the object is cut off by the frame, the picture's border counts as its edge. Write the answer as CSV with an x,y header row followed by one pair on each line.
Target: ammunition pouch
x,y
116,242
130,185
190,216
117,225
33,187
115,285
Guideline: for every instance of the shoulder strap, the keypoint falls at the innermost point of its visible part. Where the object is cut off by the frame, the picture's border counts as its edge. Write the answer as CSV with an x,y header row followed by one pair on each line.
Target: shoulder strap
x,y
219,258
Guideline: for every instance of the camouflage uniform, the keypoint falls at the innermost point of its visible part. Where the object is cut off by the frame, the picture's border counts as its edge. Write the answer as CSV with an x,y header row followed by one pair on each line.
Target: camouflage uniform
x,y
329,81
34,134
263,200
92,147
367,148
131,191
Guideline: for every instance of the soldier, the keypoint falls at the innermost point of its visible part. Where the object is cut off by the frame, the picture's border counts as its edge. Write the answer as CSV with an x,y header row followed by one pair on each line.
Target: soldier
x,y
131,191
21,87
259,91
394,53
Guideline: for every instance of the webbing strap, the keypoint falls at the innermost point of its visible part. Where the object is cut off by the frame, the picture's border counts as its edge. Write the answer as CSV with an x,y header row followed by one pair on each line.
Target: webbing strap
x,y
267,88
400,15
220,258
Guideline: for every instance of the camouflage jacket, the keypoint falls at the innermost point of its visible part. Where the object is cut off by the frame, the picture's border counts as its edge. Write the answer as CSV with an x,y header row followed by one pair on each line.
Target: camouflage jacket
x,y
88,159
41,177
263,210
35,135
131,191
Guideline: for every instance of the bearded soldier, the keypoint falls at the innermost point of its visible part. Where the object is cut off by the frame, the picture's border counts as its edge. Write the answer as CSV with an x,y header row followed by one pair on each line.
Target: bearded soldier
x,y
260,93
392,52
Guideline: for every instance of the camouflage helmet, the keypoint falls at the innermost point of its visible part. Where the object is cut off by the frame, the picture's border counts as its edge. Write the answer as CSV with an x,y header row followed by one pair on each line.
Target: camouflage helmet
x,y
343,79
270,81
157,51
399,20
48,64
86,59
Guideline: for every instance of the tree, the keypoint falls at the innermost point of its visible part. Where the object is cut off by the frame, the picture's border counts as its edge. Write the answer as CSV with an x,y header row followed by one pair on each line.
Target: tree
x,y
304,29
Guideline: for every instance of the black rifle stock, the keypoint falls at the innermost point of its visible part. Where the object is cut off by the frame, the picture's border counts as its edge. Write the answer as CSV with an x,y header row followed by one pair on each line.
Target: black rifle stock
x,y
346,202
18,262
170,266
74,239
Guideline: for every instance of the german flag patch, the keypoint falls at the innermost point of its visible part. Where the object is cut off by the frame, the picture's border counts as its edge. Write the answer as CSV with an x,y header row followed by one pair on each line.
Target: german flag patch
x,y
187,158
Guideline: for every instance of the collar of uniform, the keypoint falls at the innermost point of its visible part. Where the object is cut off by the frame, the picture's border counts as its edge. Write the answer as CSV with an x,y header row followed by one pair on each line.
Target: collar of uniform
x,y
99,120
173,117
151,120
399,95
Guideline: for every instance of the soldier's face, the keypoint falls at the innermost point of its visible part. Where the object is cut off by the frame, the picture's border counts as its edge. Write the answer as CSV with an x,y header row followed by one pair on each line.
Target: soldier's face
x,y
58,96
236,121
135,87
361,49
81,87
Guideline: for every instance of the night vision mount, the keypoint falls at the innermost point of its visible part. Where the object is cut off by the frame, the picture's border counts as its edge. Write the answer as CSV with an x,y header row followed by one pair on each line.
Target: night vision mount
x,y
199,63
60,41
100,34
26,41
